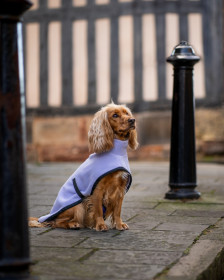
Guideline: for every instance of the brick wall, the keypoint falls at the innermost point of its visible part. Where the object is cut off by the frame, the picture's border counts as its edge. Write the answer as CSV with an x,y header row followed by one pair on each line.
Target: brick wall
x,y
65,138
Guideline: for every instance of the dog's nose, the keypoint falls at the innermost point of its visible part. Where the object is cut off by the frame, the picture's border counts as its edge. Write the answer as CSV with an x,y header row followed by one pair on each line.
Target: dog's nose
x,y
131,121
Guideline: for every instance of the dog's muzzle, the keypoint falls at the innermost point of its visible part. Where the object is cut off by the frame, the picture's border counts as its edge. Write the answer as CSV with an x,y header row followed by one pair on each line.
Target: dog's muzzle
x,y
132,123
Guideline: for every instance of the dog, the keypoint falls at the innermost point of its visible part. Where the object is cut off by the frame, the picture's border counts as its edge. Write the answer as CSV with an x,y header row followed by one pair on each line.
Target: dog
x,y
95,191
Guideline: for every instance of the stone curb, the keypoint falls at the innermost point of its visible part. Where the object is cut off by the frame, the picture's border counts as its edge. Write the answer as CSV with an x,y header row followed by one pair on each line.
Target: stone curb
x,y
203,260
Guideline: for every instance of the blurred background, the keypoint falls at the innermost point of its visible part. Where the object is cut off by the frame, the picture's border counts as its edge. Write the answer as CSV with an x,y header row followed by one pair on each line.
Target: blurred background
x,y
81,54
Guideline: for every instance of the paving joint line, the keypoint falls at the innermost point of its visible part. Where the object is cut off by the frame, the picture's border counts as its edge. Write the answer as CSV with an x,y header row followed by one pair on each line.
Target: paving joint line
x,y
158,203
157,226
80,242
116,234
88,255
128,220
172,213
46,231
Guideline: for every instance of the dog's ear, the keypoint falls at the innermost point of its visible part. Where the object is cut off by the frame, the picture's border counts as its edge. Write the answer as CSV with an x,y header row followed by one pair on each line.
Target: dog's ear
x,y
100,134
133,142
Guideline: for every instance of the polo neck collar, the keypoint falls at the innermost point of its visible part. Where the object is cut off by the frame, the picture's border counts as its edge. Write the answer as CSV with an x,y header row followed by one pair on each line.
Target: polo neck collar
x,y
120,147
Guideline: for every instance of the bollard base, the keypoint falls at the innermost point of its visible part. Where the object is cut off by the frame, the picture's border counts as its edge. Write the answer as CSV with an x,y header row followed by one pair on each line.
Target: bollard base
x,y
14,265
17,276
182,194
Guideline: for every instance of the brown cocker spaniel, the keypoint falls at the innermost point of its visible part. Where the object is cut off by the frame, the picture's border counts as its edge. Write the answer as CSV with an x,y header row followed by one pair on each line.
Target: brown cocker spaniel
x,y
95,191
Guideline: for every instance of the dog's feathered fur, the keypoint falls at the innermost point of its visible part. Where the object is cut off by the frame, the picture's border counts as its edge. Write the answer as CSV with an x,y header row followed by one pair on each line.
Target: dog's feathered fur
x,y
111,122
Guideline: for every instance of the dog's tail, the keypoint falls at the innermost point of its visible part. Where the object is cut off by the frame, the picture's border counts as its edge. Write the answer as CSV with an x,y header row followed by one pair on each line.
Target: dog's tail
x,y
33,222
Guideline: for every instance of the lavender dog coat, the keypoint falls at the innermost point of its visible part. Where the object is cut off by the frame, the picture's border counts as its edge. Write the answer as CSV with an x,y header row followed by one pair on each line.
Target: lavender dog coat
x,y
84,180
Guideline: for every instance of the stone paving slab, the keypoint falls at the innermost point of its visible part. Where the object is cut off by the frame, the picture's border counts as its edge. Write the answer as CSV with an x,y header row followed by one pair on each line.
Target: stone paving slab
x,y
197,206
133,257
100,271
146,218
166,238
135,242
194,213
181,227
58,254
48,241
38,210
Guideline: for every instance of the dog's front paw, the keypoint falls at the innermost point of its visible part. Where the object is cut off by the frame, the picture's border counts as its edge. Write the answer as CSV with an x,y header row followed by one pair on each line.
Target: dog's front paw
x,y
122,226
101,227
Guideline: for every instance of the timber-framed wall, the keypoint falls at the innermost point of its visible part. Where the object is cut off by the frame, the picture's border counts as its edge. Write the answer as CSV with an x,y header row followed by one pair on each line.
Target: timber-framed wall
x,y
179,18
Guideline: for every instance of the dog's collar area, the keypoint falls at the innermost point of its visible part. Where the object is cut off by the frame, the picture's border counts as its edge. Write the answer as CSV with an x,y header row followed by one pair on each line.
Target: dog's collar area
x,y
124,135
120,147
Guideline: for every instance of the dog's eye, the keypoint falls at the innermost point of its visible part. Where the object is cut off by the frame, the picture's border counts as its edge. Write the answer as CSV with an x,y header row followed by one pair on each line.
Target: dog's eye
x,y
115,115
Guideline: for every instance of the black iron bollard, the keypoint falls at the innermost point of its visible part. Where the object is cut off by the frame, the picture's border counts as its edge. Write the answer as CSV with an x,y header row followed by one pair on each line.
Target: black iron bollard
x,y
182,179
14,245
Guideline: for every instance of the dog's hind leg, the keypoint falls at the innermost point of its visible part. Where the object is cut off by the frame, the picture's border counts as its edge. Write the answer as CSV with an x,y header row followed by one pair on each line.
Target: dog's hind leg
x,y
78,217
33,222
60,222
71,218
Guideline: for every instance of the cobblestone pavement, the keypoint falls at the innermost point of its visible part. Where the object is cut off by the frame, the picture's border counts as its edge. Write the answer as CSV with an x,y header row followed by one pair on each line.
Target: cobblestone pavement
x,y
166,240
